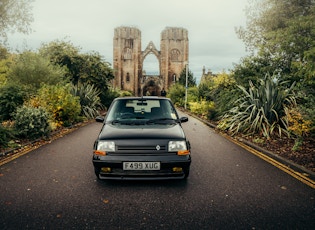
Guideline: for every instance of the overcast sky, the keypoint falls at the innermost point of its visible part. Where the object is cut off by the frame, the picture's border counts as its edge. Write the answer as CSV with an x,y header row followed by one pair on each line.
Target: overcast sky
x,y
90,25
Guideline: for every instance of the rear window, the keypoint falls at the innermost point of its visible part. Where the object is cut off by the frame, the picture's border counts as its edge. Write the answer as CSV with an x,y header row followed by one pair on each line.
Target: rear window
x,y
142,105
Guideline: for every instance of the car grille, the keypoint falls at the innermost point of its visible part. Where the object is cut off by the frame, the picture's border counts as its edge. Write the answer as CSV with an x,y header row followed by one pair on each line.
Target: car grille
x,y
141,148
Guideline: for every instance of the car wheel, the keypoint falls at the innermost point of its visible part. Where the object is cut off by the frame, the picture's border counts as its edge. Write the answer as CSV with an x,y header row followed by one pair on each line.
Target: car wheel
x,y
97,172
186,171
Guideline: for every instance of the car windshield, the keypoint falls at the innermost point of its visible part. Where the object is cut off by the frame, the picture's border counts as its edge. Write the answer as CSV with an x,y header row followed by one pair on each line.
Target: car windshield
x,y
148,111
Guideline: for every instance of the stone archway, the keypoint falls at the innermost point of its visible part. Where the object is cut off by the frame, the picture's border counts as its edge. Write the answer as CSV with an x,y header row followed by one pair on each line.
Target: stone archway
x,y
128,60
151,84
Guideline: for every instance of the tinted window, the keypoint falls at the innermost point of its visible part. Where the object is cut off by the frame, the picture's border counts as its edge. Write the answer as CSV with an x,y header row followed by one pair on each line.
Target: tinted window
x,y
141,109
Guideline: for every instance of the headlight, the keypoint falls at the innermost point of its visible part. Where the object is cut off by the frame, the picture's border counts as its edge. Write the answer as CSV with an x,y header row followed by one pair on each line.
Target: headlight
x,y
106,146
174,146
178,146
103,147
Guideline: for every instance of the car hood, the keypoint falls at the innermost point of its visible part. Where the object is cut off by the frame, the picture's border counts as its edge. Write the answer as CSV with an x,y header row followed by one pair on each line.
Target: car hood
x,y
117,131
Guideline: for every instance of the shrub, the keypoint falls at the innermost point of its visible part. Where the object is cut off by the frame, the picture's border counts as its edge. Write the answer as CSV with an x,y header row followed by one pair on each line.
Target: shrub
x,y
124,93
192,94
5,64
60,103
202,108
177,94
220,89
11,97
261,109
31,123
299,126
5,136
89,99
32,70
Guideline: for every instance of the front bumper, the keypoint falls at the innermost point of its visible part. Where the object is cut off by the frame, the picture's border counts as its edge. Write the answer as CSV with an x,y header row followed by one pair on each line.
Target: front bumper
x,y
167,163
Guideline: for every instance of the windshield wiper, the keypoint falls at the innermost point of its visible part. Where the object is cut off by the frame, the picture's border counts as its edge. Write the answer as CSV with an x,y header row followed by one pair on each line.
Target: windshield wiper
x,y
163,120
127,122
115,122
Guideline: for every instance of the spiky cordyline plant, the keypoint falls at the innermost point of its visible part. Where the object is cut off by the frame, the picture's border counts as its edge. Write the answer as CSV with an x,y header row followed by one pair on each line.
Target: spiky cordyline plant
x,y
262,109
89,99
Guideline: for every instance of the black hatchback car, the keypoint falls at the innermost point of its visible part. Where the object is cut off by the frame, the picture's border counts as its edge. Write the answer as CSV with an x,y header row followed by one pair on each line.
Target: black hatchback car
x,y
142,139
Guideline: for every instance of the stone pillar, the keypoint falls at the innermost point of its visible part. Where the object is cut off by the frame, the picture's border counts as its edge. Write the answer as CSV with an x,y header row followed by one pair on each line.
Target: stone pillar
x,y
174,53
126,57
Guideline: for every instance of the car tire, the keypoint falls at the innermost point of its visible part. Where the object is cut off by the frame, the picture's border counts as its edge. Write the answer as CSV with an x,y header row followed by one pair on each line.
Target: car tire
x,y
97,172
186,171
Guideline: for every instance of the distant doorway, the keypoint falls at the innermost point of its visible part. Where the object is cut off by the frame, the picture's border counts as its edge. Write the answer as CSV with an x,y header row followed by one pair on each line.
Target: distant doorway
x,y
151,89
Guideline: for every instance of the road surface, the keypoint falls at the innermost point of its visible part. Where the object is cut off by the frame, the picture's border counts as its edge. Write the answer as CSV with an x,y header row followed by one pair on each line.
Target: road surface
x,y
54,187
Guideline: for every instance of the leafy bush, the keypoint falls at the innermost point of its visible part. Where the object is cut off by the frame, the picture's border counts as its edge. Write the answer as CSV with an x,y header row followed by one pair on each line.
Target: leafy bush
x,y
5,136
124,93
11,97
299,126
6,61
306,101
177,94
220,89
31,123
192,95
202,108
32,70
58,101
261,109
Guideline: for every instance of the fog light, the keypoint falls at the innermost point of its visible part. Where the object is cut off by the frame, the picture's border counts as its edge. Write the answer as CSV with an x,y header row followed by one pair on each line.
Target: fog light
x,y
106,169
177,169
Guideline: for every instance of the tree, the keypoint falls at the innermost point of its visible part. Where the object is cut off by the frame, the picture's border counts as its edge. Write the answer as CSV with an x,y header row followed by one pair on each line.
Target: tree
x,y
96,71
87,68
6,59
191,81
252,68
15,15
65,54
82,68
177,94
281,30
31,70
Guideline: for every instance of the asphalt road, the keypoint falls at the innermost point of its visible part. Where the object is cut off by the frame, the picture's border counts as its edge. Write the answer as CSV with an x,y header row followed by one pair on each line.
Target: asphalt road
x,y
54,187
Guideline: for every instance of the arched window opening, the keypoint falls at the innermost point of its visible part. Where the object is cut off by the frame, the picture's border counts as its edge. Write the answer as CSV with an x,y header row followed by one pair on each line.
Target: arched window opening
x,y
151,65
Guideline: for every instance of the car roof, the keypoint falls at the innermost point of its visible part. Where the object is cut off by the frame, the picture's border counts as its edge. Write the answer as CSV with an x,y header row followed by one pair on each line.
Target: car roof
x,y
141,98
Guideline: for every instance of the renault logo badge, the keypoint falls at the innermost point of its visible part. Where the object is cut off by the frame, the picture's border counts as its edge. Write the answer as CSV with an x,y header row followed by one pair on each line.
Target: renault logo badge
x,y
158,147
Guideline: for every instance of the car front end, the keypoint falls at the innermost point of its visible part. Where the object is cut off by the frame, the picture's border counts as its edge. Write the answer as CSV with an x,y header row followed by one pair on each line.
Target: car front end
x,y
140,144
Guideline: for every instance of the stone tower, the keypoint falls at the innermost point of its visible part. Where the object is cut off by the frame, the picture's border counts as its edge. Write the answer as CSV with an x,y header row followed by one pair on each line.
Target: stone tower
x,y
127,65
174,53
128,60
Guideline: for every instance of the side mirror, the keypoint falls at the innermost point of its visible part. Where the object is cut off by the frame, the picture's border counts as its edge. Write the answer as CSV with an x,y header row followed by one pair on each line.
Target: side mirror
x,y
99,119
183,119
